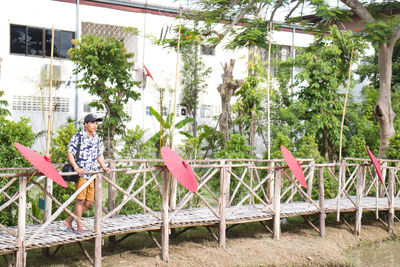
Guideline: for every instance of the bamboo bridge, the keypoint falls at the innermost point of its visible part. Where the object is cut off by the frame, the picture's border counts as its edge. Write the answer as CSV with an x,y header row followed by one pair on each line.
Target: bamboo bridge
x,y
139,196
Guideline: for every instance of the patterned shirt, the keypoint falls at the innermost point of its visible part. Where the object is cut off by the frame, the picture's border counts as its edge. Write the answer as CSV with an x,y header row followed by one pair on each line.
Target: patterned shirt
x,y
89,151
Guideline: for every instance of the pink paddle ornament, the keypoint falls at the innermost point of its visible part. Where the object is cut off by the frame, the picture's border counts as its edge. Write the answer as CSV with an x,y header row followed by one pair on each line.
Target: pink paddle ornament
x,y
42,163
179,169
376,163
294,166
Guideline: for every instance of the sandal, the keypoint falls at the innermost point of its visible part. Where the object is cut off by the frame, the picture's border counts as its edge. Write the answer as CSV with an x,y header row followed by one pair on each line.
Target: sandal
x,y
81,232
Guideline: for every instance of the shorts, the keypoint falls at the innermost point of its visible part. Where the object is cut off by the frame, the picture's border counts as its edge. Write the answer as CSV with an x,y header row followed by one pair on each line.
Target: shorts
x,y
88,192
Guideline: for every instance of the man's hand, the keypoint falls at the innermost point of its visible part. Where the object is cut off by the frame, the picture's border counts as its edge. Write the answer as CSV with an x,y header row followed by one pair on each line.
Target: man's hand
x,y
106,170
80,171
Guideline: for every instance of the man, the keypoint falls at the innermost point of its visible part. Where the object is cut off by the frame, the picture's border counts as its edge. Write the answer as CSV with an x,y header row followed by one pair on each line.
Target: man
x,y
89,153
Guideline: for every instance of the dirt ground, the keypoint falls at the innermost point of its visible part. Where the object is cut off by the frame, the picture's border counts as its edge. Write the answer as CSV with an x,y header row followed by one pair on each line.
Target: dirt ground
x,y
247,245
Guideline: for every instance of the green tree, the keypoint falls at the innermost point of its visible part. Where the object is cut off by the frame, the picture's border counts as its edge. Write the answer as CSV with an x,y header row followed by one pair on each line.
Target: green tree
x,y
10,132
106,69
319,106
134,146
3,111
59,146
164,136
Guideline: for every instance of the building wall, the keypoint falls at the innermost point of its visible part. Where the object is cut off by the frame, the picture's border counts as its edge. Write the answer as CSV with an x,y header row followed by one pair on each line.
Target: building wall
x,y
20,75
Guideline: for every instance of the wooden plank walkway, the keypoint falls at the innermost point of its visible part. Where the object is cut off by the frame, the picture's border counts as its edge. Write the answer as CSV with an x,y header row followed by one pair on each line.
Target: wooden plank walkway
x,y
123,224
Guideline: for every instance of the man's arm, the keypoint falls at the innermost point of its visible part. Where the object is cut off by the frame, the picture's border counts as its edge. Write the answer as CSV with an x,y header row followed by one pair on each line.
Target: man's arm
x,y
103,166
71,160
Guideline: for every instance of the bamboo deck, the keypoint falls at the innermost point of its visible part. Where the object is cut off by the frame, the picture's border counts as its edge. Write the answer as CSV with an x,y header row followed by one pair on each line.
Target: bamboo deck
x,y
122,224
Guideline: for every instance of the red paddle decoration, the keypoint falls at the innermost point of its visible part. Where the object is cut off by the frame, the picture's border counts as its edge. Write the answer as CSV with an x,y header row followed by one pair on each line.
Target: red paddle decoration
x,y
376,163
148,72
42,163
179,169
294,166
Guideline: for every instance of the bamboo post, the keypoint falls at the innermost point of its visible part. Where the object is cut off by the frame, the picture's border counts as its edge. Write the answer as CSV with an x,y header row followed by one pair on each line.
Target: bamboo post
x,y
270,189
391,202
164,228
359,196
251,200
21,254
310,179
277,205
111,195
384,168
228,170
376,197
49,182
342,171
97,221
174,182
222,205
321,201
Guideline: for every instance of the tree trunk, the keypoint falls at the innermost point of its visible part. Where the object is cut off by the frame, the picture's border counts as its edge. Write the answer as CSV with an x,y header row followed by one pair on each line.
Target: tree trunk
x,y
383,108
226,90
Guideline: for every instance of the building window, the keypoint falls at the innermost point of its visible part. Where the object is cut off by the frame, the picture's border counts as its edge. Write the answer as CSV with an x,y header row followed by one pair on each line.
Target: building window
x,y
148,113
208,50
183,112
27,40
38,103
205,111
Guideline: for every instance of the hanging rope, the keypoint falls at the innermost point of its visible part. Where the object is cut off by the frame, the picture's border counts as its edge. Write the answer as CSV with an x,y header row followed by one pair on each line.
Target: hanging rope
x,y
345,103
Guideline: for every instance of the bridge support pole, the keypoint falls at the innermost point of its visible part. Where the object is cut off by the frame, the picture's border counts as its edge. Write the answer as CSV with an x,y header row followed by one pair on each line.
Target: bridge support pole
x,y
98,212
165,223
222,205
359,195
111,196
21,254
277,205
321,202
391,202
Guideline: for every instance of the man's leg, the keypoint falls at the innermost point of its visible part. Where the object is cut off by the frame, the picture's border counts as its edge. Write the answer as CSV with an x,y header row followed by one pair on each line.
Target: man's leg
x,y
85,205
79,209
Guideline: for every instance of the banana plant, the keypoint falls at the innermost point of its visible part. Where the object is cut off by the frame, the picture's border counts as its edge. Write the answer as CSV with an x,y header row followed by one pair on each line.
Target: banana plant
x,y
164,136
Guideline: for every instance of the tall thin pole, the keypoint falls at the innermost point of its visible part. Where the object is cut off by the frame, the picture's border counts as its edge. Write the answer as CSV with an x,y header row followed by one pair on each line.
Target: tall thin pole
x,y
49,182
268,93
77,37
344,107
176,77
173,181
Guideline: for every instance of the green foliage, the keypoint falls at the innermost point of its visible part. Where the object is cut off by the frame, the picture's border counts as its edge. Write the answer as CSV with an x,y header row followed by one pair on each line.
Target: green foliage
x,y
10,132
190,148
194,75
134,146
106,69
60,143
254,35
210,139
3,111
164,136
235,148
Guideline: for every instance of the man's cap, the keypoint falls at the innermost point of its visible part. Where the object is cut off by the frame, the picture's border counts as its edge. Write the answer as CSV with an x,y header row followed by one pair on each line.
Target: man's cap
x,y
91,118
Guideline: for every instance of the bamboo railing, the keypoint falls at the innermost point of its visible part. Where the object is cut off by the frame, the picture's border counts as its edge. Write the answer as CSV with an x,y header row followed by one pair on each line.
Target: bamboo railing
x,y
229,192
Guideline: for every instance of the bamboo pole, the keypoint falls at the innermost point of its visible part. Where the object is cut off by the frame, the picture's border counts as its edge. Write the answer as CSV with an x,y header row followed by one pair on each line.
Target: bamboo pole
x,y
111,195
97,221
21,254
310,179
390,196
165,226
222,207
321,202
174,184
345,103
268,92
49,182
359,196
277,205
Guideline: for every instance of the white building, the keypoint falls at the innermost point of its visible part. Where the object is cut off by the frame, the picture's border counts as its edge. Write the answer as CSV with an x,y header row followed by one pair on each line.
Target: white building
x,y
25,27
